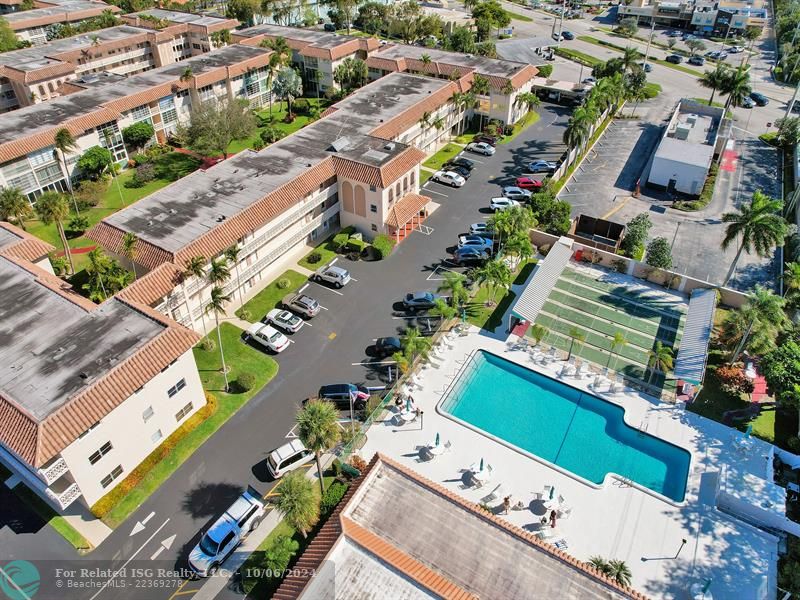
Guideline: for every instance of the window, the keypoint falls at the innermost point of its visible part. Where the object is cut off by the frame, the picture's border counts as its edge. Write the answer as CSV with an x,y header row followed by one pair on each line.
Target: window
x,y
176,388
196,46
140,113
373,208
147,414
374,227
156,436
104,449
42,157
183,412
108,479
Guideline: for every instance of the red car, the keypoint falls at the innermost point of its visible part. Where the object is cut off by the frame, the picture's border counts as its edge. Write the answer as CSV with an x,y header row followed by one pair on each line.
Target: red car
x,y
526,183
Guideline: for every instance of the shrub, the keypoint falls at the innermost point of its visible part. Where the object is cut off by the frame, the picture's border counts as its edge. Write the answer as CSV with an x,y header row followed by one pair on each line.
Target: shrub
x,y
140,159
283,283
78,224
619,265
733,381
59,264
245,381
355,245
279,554
271,134
301,106
333,495
383,244
258,145
90,192
134,182
313,258
339,240
94,161
545,70
208,344
138,134
544,249
146,172
245,314
358,463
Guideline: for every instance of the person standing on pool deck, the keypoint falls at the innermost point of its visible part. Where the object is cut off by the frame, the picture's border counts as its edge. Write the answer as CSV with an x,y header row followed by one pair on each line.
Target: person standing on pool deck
x,y
552,519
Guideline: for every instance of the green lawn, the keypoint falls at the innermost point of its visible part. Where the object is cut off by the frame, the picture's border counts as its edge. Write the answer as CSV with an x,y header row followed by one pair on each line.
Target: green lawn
x,y
424,176
240,358
519,17
490,316
279,110
466,137
651,90
270,296
591,40
325,250
529,119
447,153
578,56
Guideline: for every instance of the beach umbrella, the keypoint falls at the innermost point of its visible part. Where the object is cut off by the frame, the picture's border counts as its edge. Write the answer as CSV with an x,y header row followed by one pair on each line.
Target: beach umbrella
x,y
706,585
481,467
552,492
748,431
408,403
437,438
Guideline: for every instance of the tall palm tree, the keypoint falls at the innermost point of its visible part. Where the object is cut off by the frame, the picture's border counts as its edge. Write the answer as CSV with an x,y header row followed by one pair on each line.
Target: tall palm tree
x,y
528,100
318,429
14,204
425,59
508,88
52,207
714,80
414,344
453,284
480,87
98,268
758,224
618,341
64,142
538,333
736,86
575,334
619,572
232,255
659,358
495,274
297,501
281,48
579,126
272,67
216,305
791,279
762,318
630,57
129,249
195,267
218,272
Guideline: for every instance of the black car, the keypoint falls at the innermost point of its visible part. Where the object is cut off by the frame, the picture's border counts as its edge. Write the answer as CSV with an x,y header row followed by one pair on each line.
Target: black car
x,y
459,161
340,393
420,300
568,35
464,172
386,346
329,27
675,59
759,99
488,139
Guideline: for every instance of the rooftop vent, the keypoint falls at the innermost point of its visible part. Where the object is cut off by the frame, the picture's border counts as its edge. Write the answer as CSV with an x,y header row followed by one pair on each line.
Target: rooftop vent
x,y
340,144
390,146
220,218
172,211
84,375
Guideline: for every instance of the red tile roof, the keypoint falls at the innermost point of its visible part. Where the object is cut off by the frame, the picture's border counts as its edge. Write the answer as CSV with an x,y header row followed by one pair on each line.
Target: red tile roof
x,y
29,247
110,237
400,123
405,208
153,286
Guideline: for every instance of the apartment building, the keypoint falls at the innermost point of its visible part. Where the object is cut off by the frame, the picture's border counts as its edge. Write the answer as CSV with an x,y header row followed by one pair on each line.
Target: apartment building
x,y
711,17
37,74
31,25
86,391
97,112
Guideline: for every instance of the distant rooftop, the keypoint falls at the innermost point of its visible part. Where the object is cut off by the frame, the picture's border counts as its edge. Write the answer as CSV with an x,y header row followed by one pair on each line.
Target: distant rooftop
x,y
20,19
316,38
180,213
52,347
175,16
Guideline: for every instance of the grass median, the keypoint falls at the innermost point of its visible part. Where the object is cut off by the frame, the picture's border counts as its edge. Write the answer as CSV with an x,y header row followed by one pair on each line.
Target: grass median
x,y
145,479
605,44
447,153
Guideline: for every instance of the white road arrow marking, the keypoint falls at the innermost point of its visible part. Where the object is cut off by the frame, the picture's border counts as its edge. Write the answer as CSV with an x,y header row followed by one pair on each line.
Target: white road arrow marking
x,y
165,545
140,524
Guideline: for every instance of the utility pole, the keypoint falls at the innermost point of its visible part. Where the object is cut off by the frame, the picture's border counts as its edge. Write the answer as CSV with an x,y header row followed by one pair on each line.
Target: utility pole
x,y
560,25
649,42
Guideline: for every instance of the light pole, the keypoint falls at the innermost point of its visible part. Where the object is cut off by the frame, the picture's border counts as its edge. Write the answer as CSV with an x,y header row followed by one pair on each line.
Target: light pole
x,y
649,42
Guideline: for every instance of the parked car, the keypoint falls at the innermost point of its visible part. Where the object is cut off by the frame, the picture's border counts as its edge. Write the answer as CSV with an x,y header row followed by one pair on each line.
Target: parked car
x,y
464,172
227,532
459,161
329,27
469,255
502,203
336,276
735,49
717,55
288,458
386,346
340,393
420,300
286,320
568,35
517,193
448,178
747,102
558,38
647,67
485,138
675,59
795,107
302,304
697,61
481,148
589,81
483,229
526,183
759,99
673,33
268,336
475,241
542,166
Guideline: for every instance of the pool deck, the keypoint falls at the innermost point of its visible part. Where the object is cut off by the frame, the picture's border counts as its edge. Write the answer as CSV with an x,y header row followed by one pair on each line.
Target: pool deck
x,y
616,521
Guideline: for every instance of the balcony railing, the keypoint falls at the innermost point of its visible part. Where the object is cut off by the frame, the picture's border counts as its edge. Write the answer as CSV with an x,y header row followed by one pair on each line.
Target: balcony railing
x,y
53,471
65,498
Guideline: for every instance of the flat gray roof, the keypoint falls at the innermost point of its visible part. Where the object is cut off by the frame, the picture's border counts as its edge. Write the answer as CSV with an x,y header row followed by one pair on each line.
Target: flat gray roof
x,y
685,152
36,57
176,16
52,348
524,50
690,364
318,39
178,214
30,120
71,6
7,238
486,66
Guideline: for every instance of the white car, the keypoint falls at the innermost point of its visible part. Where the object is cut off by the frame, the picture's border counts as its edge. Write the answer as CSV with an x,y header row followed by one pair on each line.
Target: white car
x,y
516,193
448,178
735,49
481,148
288,321
331,274
287,458
483,229
268,336
502,203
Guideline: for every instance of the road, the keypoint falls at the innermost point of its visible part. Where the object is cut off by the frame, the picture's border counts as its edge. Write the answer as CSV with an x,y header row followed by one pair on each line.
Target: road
x,y
330,349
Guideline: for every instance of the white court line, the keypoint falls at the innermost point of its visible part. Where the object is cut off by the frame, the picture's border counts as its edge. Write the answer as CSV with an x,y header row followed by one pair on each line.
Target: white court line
x,y
127,562
354,279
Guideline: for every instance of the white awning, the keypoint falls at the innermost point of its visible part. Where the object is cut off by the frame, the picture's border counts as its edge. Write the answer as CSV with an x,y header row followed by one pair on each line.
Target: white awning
x,y
690,365
544,279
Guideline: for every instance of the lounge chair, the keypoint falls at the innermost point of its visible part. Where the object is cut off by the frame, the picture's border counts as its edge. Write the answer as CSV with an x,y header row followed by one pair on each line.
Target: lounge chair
x,y
496,494
567,370
546,532
564,512
545,493
448,445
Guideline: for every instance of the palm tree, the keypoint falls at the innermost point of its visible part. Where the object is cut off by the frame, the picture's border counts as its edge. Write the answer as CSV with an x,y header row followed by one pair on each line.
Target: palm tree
x,y
495,274
759,321
318,429
232,255
518,246
578,334
528,100
618,341
425,121
281,48
736,86
64,142
195,267
714,80
129,249
216,305
630,57
425,59
414,344
599,563
442,310
759,225
579,126
791,279
508,88
13,203
272,67
187,74
659,358
52,207
619,572
218,272
297,501
453,284
98,267
480,87
538,333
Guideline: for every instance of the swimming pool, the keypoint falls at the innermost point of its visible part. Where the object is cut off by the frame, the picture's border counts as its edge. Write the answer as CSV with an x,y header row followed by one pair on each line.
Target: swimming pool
x,y
576,431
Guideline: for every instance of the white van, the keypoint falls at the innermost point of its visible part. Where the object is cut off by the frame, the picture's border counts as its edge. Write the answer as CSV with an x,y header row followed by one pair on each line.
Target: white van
x,y
288,458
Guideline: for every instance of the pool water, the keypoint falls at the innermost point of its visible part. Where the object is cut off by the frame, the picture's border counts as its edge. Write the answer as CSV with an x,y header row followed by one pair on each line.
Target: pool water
x,y
579,432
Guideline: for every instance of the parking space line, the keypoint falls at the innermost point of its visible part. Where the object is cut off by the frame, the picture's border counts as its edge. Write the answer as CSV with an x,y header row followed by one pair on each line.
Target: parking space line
x,y
371,364
434,191
333,262
302,289
327,288
354,279
323,307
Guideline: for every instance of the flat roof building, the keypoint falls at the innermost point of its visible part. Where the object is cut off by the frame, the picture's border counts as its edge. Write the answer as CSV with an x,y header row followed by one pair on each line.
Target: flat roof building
x,y
30,25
